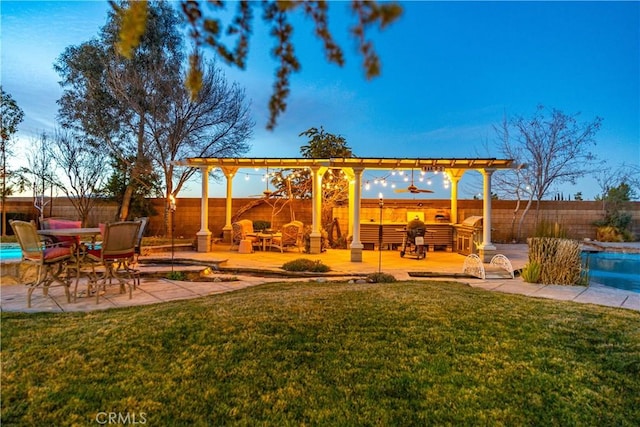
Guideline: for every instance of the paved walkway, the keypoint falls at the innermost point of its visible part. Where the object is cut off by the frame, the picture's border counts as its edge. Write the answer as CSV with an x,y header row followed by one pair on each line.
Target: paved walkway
x,y
252,269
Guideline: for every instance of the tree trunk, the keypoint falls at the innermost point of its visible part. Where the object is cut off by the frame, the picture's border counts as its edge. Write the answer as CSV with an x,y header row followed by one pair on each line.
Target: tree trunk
x,y
126,202
136,172
4,187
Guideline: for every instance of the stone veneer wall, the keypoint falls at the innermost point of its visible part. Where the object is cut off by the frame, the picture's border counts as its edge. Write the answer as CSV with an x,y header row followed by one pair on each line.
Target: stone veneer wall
x,y
576,217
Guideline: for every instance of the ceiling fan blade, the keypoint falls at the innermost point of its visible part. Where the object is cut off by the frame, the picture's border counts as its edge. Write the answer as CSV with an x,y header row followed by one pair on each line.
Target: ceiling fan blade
x,y
421,190
401,190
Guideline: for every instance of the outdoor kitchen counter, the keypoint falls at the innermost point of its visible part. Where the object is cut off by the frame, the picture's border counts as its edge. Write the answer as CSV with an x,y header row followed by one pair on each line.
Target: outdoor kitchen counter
x,y
439,235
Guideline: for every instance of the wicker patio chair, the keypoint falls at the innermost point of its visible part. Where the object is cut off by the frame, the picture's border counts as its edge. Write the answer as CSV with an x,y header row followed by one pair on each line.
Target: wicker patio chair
x,y
291,237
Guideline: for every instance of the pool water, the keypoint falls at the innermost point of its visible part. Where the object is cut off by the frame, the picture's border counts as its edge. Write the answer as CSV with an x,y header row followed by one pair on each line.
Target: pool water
x,y
618,270
10,252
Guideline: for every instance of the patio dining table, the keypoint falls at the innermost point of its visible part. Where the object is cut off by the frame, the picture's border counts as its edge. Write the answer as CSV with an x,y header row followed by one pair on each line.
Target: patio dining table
x,y
266,239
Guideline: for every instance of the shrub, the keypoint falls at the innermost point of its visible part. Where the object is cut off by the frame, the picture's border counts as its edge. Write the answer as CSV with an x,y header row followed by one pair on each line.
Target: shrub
x,y
380,278
261,225
176,275
340,243
610,233
304,264
306,238
559,260
531,272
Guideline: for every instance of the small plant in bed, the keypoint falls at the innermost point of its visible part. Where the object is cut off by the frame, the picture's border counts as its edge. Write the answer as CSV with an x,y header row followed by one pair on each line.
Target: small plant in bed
x,y
176,275
380,278
304,264
195,276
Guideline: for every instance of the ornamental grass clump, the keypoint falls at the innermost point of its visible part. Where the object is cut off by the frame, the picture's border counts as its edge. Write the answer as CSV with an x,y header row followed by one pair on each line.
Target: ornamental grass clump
x,y
304,264
559,260
531,272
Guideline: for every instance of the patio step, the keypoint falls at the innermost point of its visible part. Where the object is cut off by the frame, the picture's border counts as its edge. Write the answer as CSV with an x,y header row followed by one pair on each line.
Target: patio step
x,y
492,272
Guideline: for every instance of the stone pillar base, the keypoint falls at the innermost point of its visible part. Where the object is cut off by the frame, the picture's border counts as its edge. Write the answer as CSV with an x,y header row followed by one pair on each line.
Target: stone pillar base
x,y
226,235
315,246
204,241
486,252
356,254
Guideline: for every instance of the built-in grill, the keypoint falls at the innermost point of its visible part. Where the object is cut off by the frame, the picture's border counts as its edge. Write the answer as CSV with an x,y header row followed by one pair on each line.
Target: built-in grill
x,y
468,235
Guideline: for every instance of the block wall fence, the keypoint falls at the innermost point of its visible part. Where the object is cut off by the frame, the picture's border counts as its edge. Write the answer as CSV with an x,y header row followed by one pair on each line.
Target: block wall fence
x,y
576,217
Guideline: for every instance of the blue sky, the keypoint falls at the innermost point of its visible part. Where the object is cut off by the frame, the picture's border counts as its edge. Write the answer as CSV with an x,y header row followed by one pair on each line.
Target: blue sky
x,y
450,71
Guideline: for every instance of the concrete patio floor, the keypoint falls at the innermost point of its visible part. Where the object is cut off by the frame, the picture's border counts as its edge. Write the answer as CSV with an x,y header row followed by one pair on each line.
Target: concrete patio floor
x,y
253,269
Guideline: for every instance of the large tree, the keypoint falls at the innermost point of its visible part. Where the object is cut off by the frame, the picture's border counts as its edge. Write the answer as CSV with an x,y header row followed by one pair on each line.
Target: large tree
x,y
137,108
207,28
83,171
39,169
216,124
11,116
335,185
555,149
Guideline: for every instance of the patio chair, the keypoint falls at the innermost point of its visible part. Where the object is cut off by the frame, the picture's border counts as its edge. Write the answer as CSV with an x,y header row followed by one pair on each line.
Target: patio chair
x,y
243,230
129,267
291,237
117,251
54,223
144,220
51,260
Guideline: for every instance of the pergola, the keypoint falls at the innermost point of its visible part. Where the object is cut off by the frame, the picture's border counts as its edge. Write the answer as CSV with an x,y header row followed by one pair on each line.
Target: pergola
x,y
353,168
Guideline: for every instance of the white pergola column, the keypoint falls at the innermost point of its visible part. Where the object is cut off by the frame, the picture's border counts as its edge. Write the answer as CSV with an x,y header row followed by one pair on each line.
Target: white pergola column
x,y
315,237
204,235
454,178
355,195
229,174
486,250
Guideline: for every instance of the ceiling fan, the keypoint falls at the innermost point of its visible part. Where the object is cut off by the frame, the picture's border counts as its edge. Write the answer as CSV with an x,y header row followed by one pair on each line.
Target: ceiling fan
x,y
267,193
412,188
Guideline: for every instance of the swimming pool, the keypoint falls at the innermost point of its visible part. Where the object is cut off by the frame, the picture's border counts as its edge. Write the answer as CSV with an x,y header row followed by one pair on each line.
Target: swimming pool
x,y
615,269
10,252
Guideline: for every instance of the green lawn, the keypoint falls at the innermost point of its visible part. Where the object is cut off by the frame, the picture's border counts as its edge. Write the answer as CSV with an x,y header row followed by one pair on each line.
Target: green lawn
x,y
408,353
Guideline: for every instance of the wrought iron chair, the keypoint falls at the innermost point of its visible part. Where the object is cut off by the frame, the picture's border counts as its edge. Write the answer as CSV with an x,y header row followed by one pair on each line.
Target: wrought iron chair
x,y
51,260
118,249
130,266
